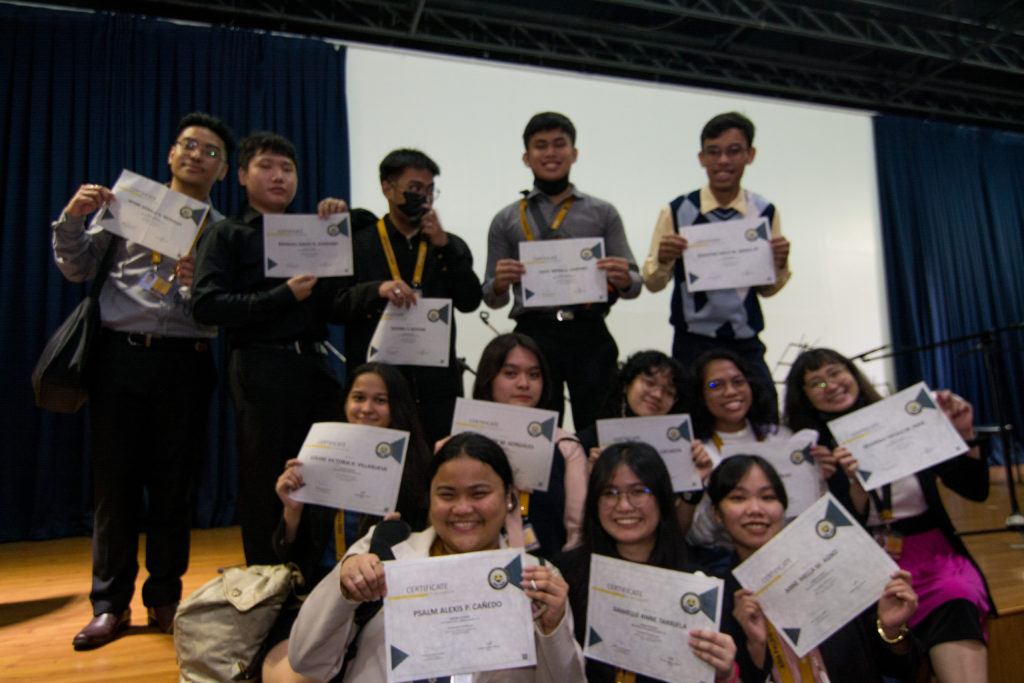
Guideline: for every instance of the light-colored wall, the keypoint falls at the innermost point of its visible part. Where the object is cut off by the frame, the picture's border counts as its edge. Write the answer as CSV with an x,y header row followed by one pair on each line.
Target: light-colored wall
x,y
638,146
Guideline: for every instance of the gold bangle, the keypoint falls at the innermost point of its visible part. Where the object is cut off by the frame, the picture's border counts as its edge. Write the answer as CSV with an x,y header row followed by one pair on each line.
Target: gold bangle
x,y
891,641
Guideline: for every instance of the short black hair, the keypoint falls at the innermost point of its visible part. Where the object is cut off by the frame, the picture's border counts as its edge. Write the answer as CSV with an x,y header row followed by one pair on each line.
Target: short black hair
x,y
730,473
472,445
492,360
799,412
723,122
218,127
548,120
649,362
264,141
400,159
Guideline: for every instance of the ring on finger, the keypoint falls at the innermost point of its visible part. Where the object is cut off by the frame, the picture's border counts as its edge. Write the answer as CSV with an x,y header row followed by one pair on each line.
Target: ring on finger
x,y
359,577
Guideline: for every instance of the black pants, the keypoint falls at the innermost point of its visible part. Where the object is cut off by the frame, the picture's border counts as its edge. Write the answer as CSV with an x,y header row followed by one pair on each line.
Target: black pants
x,y
277,394
148,415
581,354
687,347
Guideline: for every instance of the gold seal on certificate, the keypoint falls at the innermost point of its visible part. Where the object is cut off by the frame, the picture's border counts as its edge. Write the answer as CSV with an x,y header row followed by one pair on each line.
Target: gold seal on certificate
x,y
671,436
802,477
728,255
563,272
418,335
297,244
153,215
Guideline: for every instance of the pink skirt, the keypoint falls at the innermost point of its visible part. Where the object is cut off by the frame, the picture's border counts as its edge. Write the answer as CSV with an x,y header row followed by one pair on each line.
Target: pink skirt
x,y
940,575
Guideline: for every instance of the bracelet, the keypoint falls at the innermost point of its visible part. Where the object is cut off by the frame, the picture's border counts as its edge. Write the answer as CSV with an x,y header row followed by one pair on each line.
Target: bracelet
x,y
735,674
891,641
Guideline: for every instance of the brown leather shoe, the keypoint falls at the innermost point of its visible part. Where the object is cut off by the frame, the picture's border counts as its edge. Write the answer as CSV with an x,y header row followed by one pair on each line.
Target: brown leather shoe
x,y
163,617
101,630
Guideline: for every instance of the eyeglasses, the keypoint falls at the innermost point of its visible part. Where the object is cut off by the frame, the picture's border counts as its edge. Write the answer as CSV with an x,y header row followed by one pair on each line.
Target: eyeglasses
x,y
191,145
730,152
668,390
717,386
832,374
637,497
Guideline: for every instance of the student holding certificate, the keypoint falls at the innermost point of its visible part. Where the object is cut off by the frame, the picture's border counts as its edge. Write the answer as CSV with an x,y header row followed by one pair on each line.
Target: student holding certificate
x,y
907,516
630,515
512,370
470,483
750,501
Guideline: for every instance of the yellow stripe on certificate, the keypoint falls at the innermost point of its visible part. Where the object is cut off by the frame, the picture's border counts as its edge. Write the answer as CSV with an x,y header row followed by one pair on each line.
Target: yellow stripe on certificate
x,y
408,597
610,592
767,585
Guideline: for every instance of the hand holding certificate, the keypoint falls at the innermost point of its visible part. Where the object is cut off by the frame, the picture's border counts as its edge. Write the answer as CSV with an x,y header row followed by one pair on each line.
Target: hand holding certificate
x,y
671,436
728,255
152,215
800,474
563,272
352,467
418,335
300,244
897,436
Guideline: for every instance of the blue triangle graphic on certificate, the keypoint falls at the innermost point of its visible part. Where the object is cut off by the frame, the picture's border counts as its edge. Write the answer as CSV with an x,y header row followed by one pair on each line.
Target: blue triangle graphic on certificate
x,y
108,215
594,638
271,264
865,475
596,250
709,602
836,516
373,351
343,227
793,633
762,231
397,657
693,278
547,429
443,314
396,449
684,431
527,293
197,216
806,450
514,569
925,400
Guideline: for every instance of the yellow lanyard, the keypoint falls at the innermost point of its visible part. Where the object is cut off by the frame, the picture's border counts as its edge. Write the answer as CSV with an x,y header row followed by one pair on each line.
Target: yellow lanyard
x,y
389,253
623,676
779,659
717,440
157,257
554,224
524,503
339,535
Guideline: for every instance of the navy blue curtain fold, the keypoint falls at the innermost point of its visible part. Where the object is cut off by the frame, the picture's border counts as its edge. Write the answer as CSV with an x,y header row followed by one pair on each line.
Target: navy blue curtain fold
x,y
85,95
952,205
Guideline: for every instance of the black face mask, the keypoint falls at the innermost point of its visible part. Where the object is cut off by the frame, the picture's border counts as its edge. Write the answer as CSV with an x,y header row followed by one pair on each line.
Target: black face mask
x,y
414,207
551,187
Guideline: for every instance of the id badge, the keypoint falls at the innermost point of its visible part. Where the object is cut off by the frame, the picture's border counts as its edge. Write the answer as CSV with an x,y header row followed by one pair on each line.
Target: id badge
x,y
530,542
154,284
891,542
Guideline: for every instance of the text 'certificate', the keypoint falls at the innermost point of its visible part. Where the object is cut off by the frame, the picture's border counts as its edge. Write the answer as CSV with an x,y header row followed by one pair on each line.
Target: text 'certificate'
x,y
352,467
818,573
152,215
902,434
563,272
670,435
802,477
297,244
418,335
728,255
457,614
638,618
525,434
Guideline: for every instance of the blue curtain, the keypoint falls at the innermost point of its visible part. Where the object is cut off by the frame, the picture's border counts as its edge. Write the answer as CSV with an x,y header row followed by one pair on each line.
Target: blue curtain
x,y
952,204
86,95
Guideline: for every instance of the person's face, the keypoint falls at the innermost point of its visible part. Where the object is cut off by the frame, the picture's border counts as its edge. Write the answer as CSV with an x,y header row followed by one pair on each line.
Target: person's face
x,y
751,513
651,394
367,402
201,166
628,511
468,503
832,388
727,394
416,180
725,158
520,382
270,181
550,154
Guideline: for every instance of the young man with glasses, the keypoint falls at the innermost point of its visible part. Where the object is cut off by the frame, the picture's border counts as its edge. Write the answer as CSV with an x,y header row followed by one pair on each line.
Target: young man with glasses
x,y
152,378
723,318
398,258
278,373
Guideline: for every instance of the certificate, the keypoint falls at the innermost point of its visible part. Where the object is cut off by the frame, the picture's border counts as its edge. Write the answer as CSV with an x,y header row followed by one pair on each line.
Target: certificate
x,y
818,573
563,272
296,244
457,614
352,467
418,335
525,434
902,434
153,215
671,436
728,255
800,474
639,617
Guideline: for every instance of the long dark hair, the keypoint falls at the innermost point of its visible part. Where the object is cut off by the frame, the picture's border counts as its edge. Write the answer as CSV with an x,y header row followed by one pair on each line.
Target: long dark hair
x,y
493,359
799,412
730,473
645,462
650,363
763,414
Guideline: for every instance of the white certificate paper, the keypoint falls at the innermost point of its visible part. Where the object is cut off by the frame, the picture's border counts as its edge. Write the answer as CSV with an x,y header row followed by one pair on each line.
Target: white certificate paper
x,y
639,617
902,434
153,215
800,474
352,467
563,272
457,614
671,436
818,573
525,434
728,255
300,243
418,335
